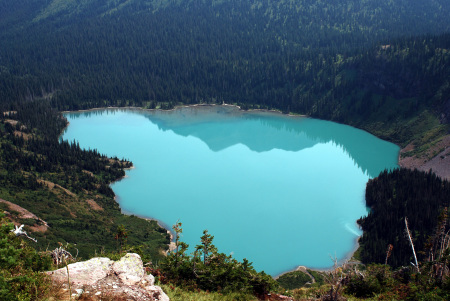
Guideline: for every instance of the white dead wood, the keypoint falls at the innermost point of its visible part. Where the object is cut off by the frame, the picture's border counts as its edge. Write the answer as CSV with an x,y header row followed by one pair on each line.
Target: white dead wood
x,y
18,231
408,233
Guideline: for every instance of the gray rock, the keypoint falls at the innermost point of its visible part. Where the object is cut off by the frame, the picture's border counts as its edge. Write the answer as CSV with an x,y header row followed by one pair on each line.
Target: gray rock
x,y
123,278
157,293
129,269
84,273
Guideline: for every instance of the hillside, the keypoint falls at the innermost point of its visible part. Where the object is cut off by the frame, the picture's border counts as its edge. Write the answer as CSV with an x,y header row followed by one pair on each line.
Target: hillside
x,y
380,66
61,193
422,198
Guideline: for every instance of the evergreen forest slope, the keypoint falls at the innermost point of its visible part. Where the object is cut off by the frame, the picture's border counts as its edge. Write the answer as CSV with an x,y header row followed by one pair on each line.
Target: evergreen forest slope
x,y
422,198
380,66
66,188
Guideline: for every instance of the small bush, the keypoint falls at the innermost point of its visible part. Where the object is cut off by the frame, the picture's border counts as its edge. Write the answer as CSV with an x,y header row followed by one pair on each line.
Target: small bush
x,y
20,267
212,271
293,280
376,279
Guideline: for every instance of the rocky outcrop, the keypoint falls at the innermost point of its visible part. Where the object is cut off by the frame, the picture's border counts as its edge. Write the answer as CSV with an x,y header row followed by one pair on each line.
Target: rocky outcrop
x,y
436,158
103,278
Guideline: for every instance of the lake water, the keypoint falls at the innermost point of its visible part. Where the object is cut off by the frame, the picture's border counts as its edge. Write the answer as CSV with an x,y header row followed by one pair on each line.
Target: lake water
x,y
281,191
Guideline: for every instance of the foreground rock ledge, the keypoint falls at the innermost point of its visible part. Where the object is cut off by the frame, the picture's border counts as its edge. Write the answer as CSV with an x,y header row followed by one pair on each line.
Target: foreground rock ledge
x,y
100,278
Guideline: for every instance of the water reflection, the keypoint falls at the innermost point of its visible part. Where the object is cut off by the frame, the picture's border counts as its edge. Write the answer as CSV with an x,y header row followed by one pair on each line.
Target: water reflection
x,y
288,181
265,131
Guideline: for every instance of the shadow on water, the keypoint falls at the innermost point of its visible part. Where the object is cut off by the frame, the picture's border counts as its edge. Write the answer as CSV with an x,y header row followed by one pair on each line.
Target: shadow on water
x,y
266,131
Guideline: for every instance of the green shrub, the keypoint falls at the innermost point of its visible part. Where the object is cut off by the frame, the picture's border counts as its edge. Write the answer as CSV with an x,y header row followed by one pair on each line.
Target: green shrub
x,y
293,280
377,279
318,277
20,267
209,270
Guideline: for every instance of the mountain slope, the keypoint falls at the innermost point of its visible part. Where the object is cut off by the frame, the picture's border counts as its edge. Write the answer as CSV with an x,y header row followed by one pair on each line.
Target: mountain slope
x,y
345,61
381,66
65,188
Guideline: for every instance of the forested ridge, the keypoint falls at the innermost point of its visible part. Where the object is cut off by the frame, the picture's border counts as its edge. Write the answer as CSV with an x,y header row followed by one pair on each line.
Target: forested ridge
x,y
376,66
422,198
379,66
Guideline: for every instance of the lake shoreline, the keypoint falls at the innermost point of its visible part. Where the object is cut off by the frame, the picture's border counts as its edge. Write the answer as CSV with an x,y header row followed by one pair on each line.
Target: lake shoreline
x,y
439,164
346,259
171,245
349,255
187,106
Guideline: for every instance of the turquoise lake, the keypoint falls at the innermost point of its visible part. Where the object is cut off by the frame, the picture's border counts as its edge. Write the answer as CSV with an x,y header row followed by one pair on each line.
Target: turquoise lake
x,y
281,191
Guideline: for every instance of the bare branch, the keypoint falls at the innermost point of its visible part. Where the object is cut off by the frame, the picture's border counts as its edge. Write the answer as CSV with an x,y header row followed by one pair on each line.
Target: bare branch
x,y
18,231
408,233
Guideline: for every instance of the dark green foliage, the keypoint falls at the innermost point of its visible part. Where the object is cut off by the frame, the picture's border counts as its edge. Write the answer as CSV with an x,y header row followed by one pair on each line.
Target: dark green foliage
x,y
121,236
381,66
344,61
318,276
293,280
207,269
379,282
377,279
392,196
20,267
66,186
